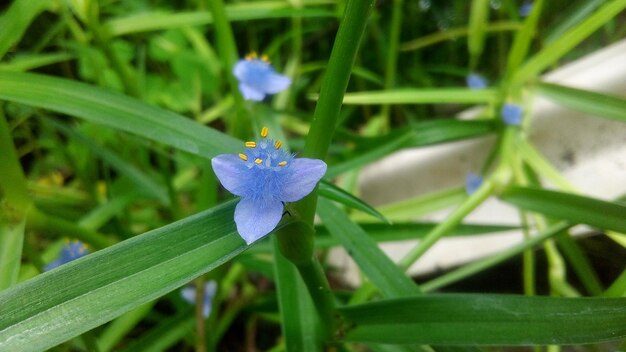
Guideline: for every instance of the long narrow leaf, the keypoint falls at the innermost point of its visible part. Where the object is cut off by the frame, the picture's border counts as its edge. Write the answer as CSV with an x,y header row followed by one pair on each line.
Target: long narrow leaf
x,y
382,272
422,96
566,206
487,320
78,296
114,110
612,107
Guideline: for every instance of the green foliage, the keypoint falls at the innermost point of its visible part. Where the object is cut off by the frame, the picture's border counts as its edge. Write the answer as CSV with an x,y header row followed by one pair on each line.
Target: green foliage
x,y
110,112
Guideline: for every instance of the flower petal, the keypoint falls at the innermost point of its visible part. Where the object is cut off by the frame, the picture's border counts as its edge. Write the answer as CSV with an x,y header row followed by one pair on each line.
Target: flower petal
x,y
250,93
53,265
240,69
275,83
257,218
232,172
301,178
188,293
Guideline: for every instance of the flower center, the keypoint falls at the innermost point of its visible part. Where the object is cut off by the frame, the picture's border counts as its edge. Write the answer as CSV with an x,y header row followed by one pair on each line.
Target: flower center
x,y
265,154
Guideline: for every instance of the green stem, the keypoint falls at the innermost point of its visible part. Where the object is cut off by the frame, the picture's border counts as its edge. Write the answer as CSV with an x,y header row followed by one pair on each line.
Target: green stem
x,y
200,328
485,190
319,289
392,57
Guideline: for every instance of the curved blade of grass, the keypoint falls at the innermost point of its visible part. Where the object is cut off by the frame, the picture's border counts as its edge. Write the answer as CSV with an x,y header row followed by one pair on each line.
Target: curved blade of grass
x,y
141,180
571,18
154,21
16,20
332,192
553,52
29,62
114,110
12,235
487,320
422,96
380,270
76,297
612,107
478,18
524,37
420,134
566,206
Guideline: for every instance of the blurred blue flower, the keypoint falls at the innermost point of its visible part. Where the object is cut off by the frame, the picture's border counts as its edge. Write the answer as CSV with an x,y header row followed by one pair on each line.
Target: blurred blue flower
x,y
476,81
472,182
71,251
525,8
210,289
265,177
257,78
512,114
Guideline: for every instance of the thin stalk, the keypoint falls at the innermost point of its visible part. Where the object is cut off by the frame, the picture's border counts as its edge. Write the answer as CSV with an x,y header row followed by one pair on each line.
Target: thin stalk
x,y
477,198
392,58
318,141
200,328
481,265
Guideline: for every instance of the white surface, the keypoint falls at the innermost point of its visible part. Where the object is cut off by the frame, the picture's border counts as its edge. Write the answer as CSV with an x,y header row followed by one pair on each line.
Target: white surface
x,y
589,151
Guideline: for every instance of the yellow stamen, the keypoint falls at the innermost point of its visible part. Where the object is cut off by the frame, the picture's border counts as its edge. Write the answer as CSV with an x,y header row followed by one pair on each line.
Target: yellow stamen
x,y
282,163
278,144
250,144
258,161
243,157
265,58
264,132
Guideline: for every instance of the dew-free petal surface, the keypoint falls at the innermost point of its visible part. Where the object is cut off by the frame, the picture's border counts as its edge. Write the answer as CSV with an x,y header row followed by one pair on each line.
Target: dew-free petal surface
x,y
232,173
302,177
257,218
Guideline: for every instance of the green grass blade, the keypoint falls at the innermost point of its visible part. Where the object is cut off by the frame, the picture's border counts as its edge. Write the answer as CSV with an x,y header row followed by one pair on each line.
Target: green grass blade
x,y
574,208
524,37
16,19
579,13
612,107
551,53
478,18
29,62
154,21
332,192
12,240
65,302
380,270
141,180
114,110
420,134
422,96
487,320
121,326
298,315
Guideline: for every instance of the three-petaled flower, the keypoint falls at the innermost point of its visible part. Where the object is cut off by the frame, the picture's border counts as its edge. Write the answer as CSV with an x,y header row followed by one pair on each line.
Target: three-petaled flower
x,y
512,114
71,251
265,176
210,289
257,78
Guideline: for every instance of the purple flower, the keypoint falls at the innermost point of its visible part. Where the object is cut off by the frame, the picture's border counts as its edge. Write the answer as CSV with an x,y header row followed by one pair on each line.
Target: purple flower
x,y
476,81
525,8
265,177
257,78
472,182
210,289
71,251
512,114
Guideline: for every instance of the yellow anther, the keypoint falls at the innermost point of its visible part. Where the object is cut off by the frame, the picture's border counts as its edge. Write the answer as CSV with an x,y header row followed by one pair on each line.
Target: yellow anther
x,y
265,58
278,144
258,161
264,132
243,157
250,144
282,163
